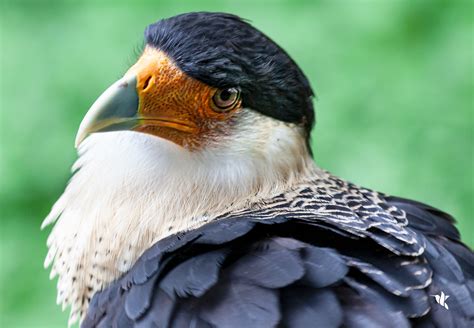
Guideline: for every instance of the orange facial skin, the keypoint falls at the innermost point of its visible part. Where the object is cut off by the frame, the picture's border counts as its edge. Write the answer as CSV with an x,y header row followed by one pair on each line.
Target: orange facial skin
x,y
175,106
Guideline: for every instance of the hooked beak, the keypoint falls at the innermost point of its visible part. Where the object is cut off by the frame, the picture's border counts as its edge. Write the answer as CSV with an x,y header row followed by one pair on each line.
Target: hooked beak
x,y
116,109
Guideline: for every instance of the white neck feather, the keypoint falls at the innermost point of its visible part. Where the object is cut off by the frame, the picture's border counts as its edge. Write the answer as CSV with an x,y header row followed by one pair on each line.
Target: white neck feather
x,y
131,190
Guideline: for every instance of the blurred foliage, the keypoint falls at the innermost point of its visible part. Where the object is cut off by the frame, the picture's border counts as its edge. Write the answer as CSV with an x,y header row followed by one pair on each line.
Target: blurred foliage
x,y
395,98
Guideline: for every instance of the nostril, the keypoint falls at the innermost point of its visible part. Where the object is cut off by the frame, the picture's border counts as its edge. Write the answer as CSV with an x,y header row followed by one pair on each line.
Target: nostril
x,y
147,82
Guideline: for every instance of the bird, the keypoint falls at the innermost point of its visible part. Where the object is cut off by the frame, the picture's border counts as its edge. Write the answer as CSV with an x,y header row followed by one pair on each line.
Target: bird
x,y
195,201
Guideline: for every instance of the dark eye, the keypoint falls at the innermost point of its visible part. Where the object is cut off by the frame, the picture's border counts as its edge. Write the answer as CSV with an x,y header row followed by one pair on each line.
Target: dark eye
x,y
226,99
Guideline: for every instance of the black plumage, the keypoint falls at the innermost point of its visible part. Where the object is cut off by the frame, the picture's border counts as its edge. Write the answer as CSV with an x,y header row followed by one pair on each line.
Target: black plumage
x,y
301,266
224,51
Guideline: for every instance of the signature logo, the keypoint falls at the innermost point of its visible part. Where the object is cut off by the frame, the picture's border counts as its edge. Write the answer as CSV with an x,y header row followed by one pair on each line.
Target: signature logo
x,y
441,299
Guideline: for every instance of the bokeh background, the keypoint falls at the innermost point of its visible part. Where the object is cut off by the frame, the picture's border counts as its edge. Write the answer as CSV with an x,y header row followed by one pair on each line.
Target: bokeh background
x,y
394,81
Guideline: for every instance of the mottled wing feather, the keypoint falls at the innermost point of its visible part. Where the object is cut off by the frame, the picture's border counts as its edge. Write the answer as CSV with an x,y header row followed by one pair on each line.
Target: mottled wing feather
x,y
324,254
452,264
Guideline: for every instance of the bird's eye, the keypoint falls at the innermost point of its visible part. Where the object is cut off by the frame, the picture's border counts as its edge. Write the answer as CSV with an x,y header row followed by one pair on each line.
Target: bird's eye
x,y
225,99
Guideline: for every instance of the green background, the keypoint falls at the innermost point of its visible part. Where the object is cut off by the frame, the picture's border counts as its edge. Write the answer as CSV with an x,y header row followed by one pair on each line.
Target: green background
x,y
394,81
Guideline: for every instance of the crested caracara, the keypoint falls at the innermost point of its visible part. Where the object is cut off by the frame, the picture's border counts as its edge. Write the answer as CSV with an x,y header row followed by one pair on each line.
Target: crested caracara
x,y
195,202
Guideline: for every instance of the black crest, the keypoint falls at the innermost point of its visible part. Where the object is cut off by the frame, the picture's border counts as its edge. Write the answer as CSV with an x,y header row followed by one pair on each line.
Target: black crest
x,y
223,50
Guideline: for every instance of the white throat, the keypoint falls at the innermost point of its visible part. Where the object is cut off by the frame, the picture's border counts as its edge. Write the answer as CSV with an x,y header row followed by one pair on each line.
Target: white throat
x,y
131,190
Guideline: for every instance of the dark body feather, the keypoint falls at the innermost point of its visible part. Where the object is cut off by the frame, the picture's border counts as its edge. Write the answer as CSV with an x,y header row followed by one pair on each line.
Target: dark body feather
x,y
325,254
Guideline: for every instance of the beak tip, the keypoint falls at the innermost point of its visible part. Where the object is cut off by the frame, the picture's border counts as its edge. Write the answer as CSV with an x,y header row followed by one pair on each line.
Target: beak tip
x,y
78,140
118,103
83,132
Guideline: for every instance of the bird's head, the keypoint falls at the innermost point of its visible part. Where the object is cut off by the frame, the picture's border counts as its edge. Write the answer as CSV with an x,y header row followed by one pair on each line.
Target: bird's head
x,y
212,82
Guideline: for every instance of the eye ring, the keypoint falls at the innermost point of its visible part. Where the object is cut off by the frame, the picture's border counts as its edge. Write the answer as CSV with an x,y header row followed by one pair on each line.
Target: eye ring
x,y
225,100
